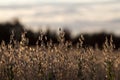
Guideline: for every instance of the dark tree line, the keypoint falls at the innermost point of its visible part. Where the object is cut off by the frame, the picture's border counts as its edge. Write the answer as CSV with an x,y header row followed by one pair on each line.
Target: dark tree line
x,y
89,40
7,28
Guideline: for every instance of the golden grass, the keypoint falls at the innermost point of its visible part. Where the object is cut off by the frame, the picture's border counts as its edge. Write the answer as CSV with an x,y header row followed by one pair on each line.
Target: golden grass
x,y
58,62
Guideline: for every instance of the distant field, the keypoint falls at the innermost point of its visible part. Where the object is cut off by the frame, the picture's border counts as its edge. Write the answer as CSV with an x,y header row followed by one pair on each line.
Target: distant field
x,y
58,62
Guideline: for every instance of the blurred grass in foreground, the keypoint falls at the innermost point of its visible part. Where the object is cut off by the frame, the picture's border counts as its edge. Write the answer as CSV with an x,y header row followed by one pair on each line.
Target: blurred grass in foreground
x,y
61,61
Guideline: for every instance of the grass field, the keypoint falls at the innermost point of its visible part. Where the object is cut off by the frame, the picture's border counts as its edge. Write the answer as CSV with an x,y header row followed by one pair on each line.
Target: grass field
x,y
58,62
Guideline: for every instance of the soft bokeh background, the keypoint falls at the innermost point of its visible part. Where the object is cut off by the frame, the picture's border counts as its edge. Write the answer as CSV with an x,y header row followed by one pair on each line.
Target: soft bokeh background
x,y
77,15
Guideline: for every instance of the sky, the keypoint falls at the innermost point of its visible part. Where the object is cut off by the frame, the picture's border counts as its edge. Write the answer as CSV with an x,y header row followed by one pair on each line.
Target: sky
x,y
77,15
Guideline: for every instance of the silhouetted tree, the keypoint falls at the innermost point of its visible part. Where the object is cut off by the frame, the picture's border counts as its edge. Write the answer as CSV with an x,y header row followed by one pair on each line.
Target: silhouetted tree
x,y
7,28
90,40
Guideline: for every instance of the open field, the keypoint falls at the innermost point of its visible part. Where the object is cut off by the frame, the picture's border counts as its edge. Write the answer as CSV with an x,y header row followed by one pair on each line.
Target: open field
x,y
58,62
59,39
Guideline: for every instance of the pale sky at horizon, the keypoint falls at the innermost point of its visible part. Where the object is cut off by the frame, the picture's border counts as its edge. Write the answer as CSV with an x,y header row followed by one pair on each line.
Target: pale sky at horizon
x,y
77,15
